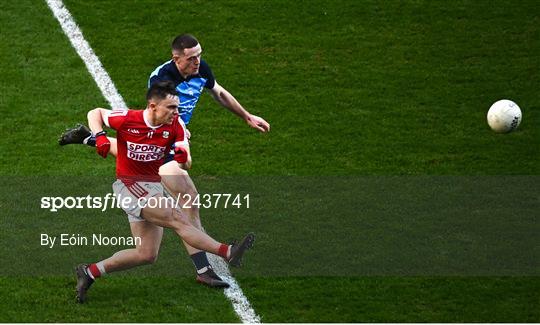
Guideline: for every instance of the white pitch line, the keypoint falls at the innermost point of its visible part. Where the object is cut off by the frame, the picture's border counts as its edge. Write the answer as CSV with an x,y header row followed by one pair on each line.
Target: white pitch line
x,y
74,33
234,293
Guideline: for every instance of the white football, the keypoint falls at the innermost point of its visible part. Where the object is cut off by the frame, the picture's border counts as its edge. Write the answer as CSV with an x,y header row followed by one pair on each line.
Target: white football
x,y
504,116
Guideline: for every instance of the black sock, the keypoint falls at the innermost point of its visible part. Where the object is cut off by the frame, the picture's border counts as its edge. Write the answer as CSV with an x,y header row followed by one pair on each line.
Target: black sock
x,y
91,141
200,260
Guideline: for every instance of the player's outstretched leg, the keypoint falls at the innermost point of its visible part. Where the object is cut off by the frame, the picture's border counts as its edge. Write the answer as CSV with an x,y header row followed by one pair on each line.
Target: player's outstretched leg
x,y
75,135
176,220
178,184
84,281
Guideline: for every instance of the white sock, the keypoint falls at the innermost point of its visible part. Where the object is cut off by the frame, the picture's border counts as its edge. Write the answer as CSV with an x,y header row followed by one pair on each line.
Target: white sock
x,y
101,268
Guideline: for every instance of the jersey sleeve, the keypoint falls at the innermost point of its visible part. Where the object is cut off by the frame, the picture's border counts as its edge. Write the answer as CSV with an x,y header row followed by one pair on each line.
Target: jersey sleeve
x,y
116,118
206,72
157,78
161,73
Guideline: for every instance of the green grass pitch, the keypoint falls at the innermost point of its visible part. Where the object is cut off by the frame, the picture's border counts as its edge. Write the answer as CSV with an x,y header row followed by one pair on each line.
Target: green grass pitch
x,y
357,92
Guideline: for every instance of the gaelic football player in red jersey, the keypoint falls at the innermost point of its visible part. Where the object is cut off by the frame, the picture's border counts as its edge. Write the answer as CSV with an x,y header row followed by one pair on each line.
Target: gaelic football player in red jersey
x,y
143,139
191,75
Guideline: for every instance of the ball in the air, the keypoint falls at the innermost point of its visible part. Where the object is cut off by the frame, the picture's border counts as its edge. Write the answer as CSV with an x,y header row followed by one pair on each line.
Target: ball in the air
x,y
504,116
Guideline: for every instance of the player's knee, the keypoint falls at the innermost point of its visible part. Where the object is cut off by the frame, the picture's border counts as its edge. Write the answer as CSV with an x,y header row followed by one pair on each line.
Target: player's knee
x,y
148,257
179,221
168,216
171,218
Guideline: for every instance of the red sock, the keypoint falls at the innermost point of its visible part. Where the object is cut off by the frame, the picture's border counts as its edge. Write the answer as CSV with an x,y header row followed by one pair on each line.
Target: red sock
x,y
223,250
93,270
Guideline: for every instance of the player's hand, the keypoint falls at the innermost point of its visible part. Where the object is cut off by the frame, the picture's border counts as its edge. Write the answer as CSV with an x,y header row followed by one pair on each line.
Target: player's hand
x,y
258,123
102,144
180,155
188,134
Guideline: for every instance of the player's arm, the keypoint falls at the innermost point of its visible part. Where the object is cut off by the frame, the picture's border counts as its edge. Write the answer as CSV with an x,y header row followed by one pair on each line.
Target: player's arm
x,y
96,118
227,100
181,151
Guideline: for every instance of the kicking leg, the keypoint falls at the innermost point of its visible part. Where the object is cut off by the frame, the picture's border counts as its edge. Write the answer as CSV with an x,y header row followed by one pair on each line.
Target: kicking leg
x,y
178,183
179,222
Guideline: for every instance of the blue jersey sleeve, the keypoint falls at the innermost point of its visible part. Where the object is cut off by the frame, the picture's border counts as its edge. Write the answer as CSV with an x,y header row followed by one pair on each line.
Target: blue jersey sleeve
x,y
206,73
166,71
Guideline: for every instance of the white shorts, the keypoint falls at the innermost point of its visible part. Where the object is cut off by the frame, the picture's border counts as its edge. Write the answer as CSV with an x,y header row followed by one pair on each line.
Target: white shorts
x,y
137,193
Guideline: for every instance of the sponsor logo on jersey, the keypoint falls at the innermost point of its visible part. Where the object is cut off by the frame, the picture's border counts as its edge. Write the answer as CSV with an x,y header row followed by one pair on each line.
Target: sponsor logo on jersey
x,y
144,152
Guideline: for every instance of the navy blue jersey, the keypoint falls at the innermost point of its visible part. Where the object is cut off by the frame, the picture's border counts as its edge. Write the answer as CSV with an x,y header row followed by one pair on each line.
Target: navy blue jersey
x,y
189,89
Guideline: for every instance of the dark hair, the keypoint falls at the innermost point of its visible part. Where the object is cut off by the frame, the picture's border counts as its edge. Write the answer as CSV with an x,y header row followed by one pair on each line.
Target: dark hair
x,y
160,90
184,41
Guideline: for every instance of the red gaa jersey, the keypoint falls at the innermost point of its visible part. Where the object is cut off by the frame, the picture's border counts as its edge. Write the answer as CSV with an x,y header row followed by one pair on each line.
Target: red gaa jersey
x,y
141,146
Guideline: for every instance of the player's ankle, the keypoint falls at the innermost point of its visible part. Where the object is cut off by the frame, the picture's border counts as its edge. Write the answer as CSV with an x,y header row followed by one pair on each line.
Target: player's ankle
x,y
224,251
96,270
200,261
